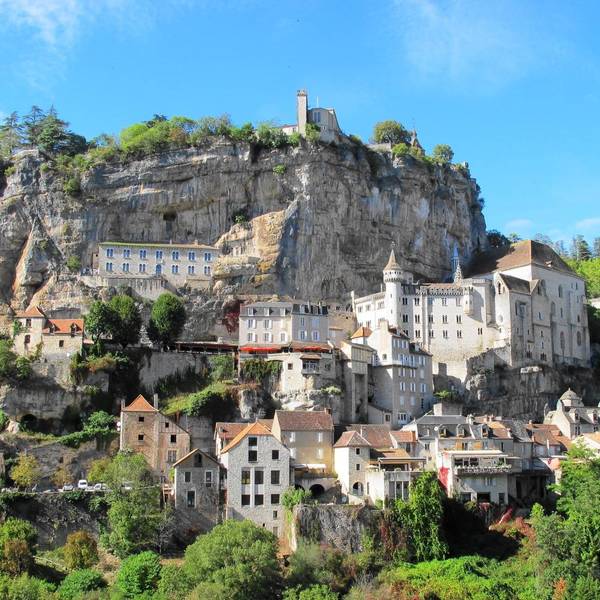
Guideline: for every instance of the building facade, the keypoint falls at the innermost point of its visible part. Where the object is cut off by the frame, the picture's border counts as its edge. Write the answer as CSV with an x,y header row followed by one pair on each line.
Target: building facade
x,y
196,487
258,472
145,430
522,302
573,418
52,337
169,265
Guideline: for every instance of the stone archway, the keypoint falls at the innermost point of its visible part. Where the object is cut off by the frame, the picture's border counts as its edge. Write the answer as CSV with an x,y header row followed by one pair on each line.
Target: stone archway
x,y
357,488
317,490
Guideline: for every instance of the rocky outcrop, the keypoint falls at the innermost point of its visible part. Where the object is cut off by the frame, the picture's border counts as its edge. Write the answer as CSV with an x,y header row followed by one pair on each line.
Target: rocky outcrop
x,y
316,228
342,527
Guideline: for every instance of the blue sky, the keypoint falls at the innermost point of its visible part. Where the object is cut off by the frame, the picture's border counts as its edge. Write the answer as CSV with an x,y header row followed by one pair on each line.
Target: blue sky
x,y
512,86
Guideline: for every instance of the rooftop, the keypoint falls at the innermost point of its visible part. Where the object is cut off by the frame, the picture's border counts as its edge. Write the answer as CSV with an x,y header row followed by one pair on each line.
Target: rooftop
x,y
158,245
251,429
304,420
140,404
351,439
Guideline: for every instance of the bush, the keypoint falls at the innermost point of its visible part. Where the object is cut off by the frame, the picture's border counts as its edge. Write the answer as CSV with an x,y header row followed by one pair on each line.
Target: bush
x,y
81,550
213,401
23,368
78,583
269,136
17,557
221,367
24,588
3,420
291,497
279,169
72,186
8,359
17,529
138,574
99,420
313,132
256,369
294,138
26,472
245,133
401,149
314,592
174,583
74,263
97,471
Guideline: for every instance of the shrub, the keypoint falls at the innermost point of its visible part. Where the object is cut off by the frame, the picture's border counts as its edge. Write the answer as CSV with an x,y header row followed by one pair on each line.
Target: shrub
x,y
61,477
314,592
81,550
23,369
7,359
256,369
313,132
10,170
72,186
74,263
245,133
294,138
291,497
167,319
97,471
401,149
3,420
78,583
17,529
279,169
138,574
174,583
17,557
26,472
25,588
269,136
213,401
221,367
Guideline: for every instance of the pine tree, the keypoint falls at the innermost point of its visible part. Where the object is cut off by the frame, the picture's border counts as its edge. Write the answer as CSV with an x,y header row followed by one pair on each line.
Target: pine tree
x,y
11,135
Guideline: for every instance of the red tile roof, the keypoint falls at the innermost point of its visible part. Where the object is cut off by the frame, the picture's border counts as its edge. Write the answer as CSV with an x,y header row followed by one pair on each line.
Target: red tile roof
x,y
404,437
252,429
33,312
361,332
228,431
304,420
63,326
377,435
352,439
140,404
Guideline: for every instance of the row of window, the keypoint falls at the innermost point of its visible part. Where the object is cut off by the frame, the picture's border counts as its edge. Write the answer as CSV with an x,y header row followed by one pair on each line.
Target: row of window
x,y
208,478
259,500
125,267
259,477
158,254
412,387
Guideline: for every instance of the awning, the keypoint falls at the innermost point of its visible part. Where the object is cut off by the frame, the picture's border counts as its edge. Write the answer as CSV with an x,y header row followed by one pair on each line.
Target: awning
x,y
310,466
311,357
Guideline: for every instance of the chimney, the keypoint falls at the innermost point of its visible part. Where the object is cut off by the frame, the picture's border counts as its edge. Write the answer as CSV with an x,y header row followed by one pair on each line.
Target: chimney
x,y
155,401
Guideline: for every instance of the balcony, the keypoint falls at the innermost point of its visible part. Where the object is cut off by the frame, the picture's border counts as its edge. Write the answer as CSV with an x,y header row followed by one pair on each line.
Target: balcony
x,y
483,469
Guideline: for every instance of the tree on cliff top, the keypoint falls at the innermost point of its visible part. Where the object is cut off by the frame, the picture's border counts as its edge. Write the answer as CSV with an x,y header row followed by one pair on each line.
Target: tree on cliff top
x,y
443,154
129,320
391,132
26,472
166,319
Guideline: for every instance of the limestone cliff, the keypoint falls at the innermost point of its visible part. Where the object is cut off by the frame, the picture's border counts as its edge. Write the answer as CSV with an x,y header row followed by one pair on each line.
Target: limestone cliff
x,y
317,227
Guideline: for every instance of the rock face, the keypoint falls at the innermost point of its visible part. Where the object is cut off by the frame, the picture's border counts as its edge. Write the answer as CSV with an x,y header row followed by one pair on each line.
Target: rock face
x,y
318,227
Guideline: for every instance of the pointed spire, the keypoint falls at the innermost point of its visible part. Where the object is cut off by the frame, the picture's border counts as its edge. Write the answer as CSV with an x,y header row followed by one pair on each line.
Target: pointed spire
x,y
392,263
458,276
414,140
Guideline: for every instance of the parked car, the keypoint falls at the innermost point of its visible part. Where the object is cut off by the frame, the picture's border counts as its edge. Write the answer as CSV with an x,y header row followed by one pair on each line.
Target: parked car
x,y
67,488
82,484
100,487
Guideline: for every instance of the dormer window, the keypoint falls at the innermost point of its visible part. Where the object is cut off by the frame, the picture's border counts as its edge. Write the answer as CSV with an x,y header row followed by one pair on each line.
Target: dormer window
x,y
485,431
460,432
443,432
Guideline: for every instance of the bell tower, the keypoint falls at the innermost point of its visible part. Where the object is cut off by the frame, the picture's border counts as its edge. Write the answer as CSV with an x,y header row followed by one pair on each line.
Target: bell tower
x,y
392,278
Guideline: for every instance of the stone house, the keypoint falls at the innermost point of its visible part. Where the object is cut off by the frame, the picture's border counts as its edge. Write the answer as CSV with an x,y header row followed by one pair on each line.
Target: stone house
x,y
144,429
309,437
225,432
522,303
572,417
324,118
402,375
55,337
355,364
196,487
258,471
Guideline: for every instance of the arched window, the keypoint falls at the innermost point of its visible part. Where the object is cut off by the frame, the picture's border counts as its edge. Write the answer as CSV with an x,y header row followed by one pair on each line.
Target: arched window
x,y
499,288
579,338
562,340
560,291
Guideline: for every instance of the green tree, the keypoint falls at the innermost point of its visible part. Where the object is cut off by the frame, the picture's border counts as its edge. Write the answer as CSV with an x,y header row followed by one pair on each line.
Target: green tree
x,y
421,517
80,550
580,249
590,271
138,574
293,496
32,124
167,319
239,556
23,368
78,584
99,420
73,263
26,471
443,154
390,132
11,135
129,320
596,247
513,238
497,239
101,321
17,557
134,505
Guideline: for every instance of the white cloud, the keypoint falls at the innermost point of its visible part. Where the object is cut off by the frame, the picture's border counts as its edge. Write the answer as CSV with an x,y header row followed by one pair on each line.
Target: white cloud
x,y
467,42
590,223
518,225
